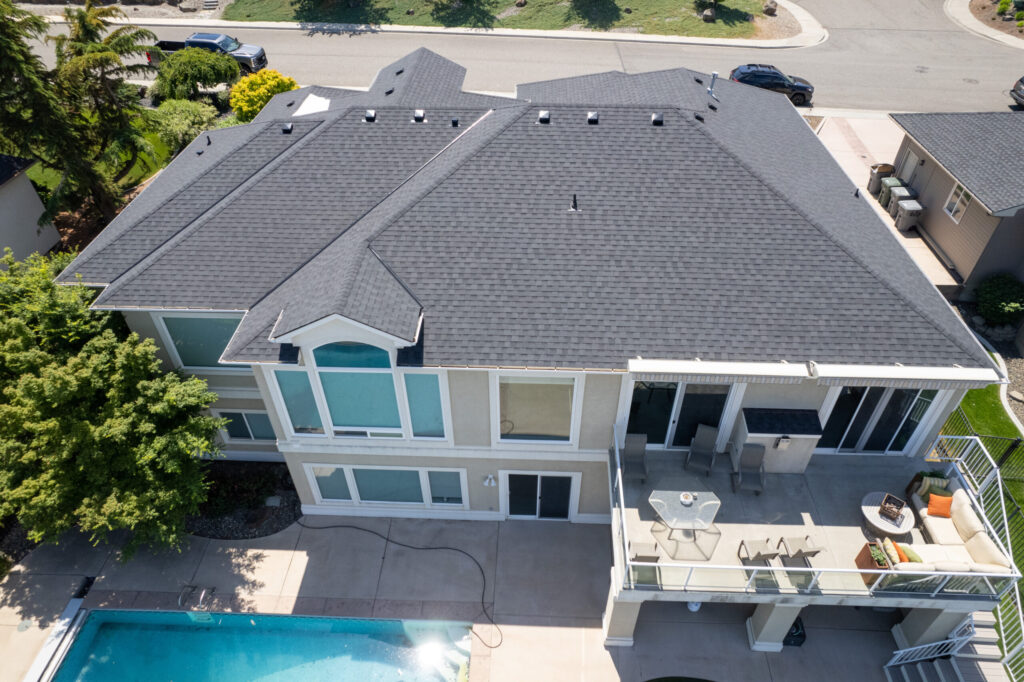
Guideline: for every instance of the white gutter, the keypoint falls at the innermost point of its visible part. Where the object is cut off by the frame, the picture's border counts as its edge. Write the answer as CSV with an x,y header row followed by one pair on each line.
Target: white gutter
x,y
899,372
764,369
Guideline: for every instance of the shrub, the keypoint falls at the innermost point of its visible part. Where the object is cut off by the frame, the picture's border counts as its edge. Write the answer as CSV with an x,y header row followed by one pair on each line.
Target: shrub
x,y
1004,6
251,94
178,121
1001,299
227,121
1019,15
183,73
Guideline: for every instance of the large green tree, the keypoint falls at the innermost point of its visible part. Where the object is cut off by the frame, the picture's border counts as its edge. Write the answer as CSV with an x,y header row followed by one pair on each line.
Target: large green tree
x,y
184,73
92,432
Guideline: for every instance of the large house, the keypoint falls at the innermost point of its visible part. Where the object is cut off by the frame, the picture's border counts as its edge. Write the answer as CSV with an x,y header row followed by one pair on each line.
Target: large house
x,y
435,303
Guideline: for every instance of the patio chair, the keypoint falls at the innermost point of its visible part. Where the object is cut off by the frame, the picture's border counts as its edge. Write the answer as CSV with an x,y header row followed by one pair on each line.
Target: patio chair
x,y
702,450
643,551
749,474
634,457
798,548
757,550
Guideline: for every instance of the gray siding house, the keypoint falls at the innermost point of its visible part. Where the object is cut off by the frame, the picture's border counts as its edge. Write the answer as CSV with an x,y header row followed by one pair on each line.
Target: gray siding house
x,y
436,303
20,209
968,171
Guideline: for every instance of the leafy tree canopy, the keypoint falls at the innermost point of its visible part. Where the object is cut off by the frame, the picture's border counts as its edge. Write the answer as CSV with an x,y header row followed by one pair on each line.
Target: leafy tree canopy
x,y
183,73
251,93
179,121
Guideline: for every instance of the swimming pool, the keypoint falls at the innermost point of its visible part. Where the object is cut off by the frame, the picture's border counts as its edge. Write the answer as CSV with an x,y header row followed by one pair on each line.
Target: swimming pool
x,y
233,647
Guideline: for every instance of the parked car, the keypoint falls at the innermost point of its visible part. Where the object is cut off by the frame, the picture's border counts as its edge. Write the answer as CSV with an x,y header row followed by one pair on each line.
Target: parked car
x,y
250,58
769,77
1017,92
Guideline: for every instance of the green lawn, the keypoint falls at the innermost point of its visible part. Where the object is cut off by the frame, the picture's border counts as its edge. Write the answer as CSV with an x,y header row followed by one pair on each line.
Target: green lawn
x,y
986,413
666,17
144,167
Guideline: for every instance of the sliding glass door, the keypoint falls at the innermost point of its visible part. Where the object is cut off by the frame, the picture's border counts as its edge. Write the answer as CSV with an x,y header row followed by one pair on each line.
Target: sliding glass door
x,y
669,412
875,419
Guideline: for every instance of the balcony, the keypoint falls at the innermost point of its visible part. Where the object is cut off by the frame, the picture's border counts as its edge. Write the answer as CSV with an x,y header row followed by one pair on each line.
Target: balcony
x,y
823,503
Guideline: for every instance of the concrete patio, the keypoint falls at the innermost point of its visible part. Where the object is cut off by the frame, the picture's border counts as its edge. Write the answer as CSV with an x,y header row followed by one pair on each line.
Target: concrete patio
x,y
546,582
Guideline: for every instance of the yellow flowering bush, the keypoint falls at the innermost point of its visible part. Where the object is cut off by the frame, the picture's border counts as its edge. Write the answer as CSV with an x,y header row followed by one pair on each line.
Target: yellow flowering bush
x,y
251,93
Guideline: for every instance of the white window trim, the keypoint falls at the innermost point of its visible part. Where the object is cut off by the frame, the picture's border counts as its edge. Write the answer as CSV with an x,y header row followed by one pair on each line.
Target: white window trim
x,y
406,413
966,204
336,431
282,408
219,412
574,492
726,423
927,420
579,386
172,351
357,501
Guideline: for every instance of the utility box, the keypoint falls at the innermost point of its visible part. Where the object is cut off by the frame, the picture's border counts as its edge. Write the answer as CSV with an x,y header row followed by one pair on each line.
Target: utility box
x,y
908,214
879,171
887,185
898,194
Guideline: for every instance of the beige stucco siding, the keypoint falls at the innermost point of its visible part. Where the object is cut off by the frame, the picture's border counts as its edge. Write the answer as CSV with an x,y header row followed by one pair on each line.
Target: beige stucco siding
x,y
600,405
593,497
470,406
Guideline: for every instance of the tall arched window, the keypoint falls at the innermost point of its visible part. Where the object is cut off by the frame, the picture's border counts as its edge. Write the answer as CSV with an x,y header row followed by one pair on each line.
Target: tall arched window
x,y
359,388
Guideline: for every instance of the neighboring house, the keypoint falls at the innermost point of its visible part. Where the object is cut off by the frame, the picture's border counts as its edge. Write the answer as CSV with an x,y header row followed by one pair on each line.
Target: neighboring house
x,y
968,170
20,209
434,303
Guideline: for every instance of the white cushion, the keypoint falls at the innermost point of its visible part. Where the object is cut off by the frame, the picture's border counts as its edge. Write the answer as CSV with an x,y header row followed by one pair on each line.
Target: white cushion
x,y
931,553
984,551
960,500
989,568
953,566
915,567
941,531
958,553
966,521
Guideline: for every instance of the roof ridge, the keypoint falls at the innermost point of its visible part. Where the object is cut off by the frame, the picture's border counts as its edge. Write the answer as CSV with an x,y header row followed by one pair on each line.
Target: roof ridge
x,y
828,235
155,254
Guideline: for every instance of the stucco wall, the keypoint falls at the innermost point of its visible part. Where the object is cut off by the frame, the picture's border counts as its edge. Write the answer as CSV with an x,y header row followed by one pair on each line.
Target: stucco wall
x,y
600,404
593,483
471,409
20,209
807,395
143,325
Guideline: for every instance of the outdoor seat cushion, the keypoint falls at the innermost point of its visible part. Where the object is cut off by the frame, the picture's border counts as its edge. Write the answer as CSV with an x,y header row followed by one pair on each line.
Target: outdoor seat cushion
x,y
914,566
984,550
941,531
953,566
967,522
931,554
989,568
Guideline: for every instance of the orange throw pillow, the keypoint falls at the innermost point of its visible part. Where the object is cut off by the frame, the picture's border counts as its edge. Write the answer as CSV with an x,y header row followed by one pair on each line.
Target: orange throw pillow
x,y
939,506
900,552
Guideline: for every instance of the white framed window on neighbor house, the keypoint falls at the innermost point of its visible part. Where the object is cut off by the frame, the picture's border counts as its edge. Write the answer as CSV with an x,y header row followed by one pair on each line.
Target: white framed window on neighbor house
x,y
957,203
535,408
363,485
246,426
196,342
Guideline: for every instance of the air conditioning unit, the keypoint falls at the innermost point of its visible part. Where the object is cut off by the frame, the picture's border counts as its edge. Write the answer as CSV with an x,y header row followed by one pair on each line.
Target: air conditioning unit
x,y
887,185
908,214
897,195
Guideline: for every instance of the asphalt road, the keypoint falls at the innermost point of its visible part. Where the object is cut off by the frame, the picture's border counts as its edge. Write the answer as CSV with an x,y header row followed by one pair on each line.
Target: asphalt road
x,y
882,55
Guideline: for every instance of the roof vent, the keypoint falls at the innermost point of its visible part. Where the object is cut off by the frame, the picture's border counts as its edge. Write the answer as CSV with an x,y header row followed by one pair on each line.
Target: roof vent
x,y
699,117
286,129
713,107
699,80
290,103
389,91
419,116
370,116
574,206
544,116
455,123
711,88
399,72
592,117
657,120
208,141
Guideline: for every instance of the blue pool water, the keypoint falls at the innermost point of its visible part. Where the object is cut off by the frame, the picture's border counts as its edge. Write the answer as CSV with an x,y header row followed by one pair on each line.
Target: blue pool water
x,y
228,647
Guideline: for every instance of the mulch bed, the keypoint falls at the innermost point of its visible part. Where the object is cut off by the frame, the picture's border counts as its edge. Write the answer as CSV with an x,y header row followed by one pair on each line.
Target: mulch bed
x,y
14,543
236,506
985,11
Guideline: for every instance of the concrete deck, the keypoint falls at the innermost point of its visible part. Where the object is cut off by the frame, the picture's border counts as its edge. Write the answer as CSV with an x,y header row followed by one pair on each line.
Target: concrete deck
x,y
824,503
546,582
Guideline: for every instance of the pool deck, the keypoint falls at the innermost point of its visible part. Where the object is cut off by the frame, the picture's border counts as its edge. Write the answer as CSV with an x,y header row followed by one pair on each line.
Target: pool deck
x,y
546,583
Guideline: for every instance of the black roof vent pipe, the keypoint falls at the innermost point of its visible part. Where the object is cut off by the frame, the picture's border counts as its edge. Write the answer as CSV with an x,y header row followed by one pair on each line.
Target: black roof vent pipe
x,y
657,119
286,129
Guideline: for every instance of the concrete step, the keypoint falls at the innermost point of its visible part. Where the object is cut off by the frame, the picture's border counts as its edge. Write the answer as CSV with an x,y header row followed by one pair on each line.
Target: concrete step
x,y
985,634
947,670
985,651
211,4
976,670
984,618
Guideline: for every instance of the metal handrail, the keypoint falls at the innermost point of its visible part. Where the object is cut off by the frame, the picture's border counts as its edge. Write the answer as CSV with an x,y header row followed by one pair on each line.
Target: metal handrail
x,y
927,652
628,574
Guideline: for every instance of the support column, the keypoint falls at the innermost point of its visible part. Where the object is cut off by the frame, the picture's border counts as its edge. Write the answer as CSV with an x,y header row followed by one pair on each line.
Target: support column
x,y
620,620
926,626
769,626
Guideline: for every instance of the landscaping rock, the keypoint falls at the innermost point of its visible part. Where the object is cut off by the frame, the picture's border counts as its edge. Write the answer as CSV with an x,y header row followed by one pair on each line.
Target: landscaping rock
x,y
770,7
1018,396
708,15
520,3
628,10
273,501
410,12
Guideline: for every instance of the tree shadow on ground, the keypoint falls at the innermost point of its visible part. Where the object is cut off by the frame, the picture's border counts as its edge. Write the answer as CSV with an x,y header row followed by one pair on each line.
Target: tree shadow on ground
x,y
601,14
363,12
731,16
470,13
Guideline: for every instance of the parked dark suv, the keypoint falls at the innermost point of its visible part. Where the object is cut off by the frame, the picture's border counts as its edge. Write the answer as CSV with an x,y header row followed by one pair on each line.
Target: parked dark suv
x,y
768,77
1017,92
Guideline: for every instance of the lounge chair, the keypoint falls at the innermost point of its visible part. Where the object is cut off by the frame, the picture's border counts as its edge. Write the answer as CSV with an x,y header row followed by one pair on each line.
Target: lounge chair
x,y
634,457
798,548
757,550
702,450
643,551
749,474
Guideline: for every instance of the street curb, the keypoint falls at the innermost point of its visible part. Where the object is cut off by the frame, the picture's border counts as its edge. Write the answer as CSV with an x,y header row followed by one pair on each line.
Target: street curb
x,y
959,12
811,31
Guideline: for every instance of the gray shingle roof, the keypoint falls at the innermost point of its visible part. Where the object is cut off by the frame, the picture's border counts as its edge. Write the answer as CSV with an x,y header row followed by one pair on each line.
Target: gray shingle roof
x,y
981,150
700,238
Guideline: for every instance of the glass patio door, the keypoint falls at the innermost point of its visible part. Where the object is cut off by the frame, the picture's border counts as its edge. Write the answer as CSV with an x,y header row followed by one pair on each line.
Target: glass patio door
x,y
669,412
875,419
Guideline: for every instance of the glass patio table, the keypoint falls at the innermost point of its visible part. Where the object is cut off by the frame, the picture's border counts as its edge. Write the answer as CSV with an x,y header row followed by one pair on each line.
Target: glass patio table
x,y
684,504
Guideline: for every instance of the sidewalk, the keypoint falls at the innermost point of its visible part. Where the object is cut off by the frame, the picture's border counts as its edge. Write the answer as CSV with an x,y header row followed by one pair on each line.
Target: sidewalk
x,y
959,12
811,31
857,140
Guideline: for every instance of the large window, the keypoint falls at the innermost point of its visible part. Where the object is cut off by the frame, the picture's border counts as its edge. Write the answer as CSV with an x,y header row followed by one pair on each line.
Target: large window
x,y
669,413
875,419
425,411
248,425
535,409
359,388
299,401
956,205
199,341
388,485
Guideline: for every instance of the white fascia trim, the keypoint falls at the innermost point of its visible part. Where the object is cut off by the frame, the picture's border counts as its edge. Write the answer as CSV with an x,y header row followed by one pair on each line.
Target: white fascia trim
x,y
396,341
767,369
399,512
380,448
972,374
146,309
